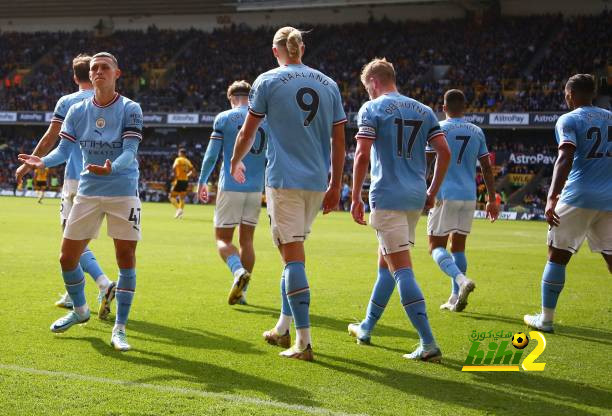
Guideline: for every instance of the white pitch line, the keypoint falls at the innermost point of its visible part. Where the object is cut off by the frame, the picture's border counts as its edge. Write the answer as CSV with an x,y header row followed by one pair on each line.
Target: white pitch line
x,y
179,390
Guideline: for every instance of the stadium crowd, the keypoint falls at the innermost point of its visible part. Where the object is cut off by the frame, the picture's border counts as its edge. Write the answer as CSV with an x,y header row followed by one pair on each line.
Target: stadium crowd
x,y
501,63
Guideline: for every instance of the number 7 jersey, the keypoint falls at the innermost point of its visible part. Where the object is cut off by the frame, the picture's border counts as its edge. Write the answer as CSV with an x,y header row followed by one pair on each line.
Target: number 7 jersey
x,y
401,128
301,105
589,184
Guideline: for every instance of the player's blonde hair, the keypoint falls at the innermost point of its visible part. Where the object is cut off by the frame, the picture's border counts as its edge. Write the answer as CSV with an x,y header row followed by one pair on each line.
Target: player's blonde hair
x,y
378,68
238,88
290,39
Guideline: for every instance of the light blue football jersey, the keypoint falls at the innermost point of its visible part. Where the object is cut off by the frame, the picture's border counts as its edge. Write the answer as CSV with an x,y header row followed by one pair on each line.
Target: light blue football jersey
x,y
100,132
225,128
467,144
401,128
74,164
301,105
589,184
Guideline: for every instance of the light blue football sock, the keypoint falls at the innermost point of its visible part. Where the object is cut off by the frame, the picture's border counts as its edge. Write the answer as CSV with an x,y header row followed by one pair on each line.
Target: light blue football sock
x,y
126,286
90,265
383,288
461,262
285,308
553,280
234,263
74,280
447,264
298,293
413,303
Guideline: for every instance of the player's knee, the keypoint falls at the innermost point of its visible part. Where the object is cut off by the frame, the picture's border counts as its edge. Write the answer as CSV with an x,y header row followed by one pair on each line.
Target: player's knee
x,y
126,258
68,260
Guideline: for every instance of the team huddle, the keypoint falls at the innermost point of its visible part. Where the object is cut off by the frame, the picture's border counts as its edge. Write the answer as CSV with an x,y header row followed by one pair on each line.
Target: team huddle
x,y
285,135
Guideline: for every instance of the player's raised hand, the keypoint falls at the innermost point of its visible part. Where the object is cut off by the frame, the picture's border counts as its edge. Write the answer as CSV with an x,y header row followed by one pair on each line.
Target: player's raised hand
x,y
492,211
203,193
31,161
358,212
430,201
331,199
21,172
100,170
238,171
551,216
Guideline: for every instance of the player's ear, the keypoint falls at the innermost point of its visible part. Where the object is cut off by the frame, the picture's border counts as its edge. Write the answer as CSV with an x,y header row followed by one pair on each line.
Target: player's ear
x,y
117,73
275,51
444,108
303,48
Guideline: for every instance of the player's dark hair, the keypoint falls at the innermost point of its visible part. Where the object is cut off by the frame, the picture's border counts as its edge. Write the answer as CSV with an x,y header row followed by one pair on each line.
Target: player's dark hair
x,y
454,100
182,151
582,85
80,67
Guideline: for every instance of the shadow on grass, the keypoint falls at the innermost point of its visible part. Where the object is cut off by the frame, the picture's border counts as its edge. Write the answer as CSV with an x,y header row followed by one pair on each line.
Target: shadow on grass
x,y
209,377
502,394
588,334
326,322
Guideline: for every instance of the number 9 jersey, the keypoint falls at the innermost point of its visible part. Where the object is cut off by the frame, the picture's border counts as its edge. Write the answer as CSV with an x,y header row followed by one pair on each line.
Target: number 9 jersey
x,y
589,184
301,105
401,128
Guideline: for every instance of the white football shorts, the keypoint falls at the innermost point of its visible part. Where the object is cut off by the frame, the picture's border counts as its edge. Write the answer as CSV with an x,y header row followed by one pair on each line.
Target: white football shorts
x,y
395,230
69,191
235,208
448,216
122,217
576,224
292,212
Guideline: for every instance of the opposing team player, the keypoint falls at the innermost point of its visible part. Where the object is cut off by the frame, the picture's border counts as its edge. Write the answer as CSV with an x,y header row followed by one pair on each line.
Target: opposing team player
x,y
40,182
183,169
108,129
303,108
453,212
579,201
72,174
238,204
396,130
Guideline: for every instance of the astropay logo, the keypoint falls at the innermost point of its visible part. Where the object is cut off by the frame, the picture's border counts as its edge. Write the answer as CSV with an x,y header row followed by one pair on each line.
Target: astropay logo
x,y
518,119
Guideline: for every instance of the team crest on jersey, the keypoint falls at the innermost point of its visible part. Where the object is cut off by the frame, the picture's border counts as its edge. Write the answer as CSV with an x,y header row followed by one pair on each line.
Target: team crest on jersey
x,y
100,123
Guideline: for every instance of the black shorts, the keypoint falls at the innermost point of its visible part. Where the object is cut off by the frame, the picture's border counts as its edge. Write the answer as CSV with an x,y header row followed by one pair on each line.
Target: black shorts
x,y
41,184
180,186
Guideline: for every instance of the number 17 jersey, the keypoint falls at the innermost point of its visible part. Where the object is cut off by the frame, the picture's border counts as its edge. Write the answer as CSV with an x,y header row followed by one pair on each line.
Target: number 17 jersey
x,y
301,105
401,128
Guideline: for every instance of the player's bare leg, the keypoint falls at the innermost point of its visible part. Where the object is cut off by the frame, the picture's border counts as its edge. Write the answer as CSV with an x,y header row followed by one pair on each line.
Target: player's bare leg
x,y
230,255
175,203
247,254
608,259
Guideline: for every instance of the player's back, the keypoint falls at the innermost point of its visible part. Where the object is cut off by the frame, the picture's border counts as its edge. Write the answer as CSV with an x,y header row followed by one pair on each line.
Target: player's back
x,y
227,126
74,164
467,144
301,105
589,184
182,166
403,127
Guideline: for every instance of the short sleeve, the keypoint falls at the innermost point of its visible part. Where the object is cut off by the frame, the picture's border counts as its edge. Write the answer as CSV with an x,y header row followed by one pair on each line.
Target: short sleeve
x,y
132,127
433,126
339,114
482,150
68,131
366,123
60,111
218,126
565,130
258,105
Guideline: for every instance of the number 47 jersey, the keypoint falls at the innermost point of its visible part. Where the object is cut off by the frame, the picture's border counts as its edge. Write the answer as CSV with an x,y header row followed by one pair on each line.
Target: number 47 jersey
x,y
589,184
301,105
401,128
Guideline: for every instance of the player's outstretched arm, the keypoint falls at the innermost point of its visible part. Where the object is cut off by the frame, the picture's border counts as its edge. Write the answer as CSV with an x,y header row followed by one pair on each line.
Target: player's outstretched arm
x,y
208,164
244,141
332,195
443,155
492,208
563,166
44,146
58,156
360,169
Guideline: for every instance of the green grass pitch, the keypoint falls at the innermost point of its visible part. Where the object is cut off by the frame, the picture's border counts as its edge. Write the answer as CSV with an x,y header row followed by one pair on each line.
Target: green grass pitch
x,y
194,354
